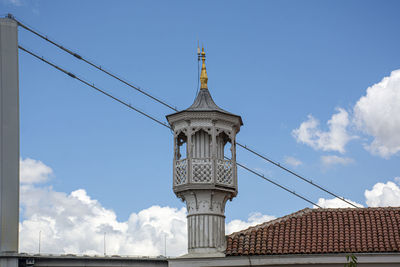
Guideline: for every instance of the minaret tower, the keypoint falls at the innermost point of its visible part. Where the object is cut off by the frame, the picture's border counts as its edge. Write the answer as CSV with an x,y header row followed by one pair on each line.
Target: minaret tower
x,y
205,174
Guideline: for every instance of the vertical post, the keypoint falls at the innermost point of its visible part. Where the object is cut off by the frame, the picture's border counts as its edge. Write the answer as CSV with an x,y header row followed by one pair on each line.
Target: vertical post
x,y
9,138
40,240
105,253
165,244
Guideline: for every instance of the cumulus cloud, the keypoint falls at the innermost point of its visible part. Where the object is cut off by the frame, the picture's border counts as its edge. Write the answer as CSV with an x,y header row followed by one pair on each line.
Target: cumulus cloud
x,y
293,161
336,203
34,171
335,139
377,114
75,223
334,160
382,195
254,219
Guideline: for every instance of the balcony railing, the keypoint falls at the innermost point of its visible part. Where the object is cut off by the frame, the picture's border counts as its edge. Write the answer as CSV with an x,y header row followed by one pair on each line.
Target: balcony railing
x,y
181,172
202,172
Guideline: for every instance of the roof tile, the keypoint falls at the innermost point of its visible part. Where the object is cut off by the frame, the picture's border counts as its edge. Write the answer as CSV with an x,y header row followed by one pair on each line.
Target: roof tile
x,y
311,231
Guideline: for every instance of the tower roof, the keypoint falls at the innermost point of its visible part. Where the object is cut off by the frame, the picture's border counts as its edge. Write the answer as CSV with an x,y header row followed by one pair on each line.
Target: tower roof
x,y
204,101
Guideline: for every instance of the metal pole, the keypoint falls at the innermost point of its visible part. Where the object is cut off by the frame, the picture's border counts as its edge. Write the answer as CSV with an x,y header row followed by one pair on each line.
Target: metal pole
x,y
9,141
9,136
40,237
104,243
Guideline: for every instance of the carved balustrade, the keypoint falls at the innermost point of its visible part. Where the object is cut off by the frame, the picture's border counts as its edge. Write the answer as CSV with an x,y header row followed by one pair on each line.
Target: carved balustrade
x,y
202,172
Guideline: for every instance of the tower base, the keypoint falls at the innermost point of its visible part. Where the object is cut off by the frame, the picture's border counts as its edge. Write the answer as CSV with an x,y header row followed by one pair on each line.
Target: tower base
x,y
206,222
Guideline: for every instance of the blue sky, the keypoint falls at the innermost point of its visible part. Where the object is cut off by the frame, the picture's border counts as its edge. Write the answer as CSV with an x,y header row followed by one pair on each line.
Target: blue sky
x,y
272,62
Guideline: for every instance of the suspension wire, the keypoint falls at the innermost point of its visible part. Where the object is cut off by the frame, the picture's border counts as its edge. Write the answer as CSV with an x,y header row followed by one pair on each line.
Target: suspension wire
x,y
277,184
161,102
94,87
93,64
295,174
152,118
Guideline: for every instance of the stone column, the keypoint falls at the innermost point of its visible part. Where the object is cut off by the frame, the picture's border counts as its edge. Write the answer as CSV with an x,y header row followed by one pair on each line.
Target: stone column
x,y
206,222
9,141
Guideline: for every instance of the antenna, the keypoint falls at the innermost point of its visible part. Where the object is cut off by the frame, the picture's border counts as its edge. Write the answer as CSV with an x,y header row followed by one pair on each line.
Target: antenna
x,y
104,243
165,244
198,50
198,67
40,237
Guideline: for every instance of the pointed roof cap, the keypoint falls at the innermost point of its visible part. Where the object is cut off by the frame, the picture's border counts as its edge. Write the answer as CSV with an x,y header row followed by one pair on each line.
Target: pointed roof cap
x,y
204,101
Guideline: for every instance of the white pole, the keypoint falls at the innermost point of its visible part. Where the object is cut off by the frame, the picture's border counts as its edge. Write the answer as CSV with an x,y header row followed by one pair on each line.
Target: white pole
x,y
104,243
40,237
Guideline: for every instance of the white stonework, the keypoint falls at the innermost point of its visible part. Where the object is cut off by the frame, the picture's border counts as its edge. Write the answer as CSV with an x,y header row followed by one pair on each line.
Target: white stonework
x,y
204,176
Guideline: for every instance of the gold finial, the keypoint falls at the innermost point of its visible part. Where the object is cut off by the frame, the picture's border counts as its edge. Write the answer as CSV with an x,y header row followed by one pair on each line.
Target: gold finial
x,y
203,76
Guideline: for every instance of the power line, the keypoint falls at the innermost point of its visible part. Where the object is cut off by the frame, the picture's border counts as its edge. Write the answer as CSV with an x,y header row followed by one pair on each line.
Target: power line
x,y
295,174
92,64
275,183
151,117
94,87
161,102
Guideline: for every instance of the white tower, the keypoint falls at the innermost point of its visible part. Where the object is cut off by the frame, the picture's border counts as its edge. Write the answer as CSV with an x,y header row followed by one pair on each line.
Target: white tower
x,y
205,174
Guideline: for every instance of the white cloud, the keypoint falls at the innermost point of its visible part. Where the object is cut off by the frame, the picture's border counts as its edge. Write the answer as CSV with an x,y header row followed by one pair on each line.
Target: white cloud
x,y
336,203
254,219
334,160
377,114
75,223
382,195
293,161
335,139
34,171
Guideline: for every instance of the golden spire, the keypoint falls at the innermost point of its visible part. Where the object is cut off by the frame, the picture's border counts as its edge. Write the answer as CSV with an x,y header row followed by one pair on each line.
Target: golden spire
x,y
203,75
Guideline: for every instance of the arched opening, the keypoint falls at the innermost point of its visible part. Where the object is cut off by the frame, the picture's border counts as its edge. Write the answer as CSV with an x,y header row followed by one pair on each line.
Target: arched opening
x,y
201,144
181,149
224,146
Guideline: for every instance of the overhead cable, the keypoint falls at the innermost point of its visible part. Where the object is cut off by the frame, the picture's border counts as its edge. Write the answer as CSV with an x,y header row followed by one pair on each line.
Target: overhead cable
x,y
94,87
93,64
275,183
295,174
163,103
152,118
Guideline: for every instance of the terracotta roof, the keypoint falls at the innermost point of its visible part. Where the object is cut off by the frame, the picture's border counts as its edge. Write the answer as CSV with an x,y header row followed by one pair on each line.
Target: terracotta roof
x,y
311,231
